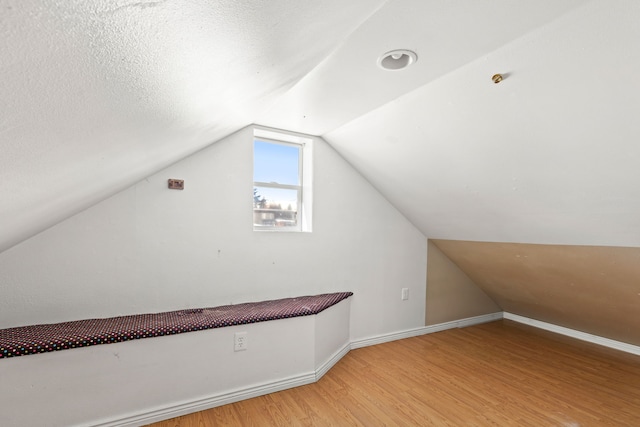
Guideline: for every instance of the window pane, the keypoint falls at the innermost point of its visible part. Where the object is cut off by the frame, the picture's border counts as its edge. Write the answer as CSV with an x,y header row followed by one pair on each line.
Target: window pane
x,y
276,163
275,207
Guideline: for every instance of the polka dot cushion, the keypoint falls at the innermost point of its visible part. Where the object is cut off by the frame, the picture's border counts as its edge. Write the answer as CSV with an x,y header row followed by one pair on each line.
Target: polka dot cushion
x,y
82,333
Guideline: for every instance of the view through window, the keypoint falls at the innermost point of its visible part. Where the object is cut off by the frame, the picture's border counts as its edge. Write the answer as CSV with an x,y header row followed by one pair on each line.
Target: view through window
x,y
277,185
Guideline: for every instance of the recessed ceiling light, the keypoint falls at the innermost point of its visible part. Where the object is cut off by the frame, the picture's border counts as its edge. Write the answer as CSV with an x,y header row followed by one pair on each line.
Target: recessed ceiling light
x,y
397,59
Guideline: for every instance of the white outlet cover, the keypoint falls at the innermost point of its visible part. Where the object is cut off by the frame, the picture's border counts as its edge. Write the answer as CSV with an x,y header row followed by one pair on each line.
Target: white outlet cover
x,y
240,341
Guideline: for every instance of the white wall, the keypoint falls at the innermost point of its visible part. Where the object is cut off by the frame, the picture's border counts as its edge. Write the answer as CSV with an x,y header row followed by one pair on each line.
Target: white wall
x,y
138,382
150,249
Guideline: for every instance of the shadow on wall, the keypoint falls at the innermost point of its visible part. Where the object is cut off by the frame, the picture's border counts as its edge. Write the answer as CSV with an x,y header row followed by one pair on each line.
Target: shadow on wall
x,y
594,289
451,294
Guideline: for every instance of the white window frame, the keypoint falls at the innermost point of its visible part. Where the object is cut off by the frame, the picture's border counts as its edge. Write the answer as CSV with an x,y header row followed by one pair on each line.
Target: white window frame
x,y
305,165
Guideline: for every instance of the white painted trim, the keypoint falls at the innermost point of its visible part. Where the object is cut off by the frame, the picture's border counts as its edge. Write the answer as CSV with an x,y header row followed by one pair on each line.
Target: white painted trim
x,y
311,377
223,399
380,339
184,408
595,339
324,368
173,411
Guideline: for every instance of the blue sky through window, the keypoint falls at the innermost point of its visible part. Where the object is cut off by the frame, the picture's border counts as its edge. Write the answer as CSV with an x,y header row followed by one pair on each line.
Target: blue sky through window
x,y
277,163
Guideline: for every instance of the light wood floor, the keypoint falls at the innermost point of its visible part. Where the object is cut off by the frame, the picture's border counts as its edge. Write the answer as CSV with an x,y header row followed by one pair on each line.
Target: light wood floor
x,y
496,374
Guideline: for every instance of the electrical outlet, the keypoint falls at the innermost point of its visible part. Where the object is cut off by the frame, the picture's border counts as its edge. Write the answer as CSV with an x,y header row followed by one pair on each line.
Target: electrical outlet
x,y
405,294
240,341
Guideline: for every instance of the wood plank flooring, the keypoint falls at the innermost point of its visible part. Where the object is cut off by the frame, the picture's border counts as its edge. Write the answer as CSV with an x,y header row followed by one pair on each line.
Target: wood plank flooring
x,y
495,374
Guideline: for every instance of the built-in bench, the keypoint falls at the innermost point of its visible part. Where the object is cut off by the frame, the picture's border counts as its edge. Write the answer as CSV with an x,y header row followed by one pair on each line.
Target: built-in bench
x,y
133,382
36,339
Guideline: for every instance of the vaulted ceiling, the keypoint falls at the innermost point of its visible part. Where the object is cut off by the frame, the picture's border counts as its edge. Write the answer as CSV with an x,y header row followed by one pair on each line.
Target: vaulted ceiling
x,y
96,95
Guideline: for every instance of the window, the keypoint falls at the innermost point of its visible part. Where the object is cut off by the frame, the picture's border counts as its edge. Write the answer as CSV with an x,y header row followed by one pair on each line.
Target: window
x,y
281,182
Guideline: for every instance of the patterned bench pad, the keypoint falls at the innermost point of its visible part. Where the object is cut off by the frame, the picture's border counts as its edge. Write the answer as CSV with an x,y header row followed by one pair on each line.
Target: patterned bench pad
x,y
83,333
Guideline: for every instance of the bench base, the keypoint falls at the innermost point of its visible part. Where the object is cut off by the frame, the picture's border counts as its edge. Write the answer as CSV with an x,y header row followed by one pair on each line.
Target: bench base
x,y
142,381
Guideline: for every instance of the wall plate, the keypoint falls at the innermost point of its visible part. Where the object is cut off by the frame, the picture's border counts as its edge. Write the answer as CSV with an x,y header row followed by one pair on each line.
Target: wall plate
x,y
176,184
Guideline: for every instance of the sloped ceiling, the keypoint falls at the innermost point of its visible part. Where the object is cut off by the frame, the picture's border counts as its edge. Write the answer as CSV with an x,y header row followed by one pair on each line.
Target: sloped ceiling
x,y
550,155
98,94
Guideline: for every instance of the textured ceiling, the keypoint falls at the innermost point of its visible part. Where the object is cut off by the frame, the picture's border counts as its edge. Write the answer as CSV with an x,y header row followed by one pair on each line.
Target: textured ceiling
x,y
96,95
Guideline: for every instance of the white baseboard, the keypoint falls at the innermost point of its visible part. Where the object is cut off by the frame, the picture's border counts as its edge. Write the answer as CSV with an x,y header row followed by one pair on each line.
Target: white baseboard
x,y
223,399
324,368
184,408
247,393
177,410
311,377
595,339
380,339
231,397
